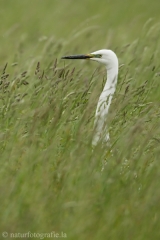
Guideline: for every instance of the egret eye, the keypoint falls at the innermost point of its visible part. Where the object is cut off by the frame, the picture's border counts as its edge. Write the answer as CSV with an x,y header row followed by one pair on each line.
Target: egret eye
x,y
98,55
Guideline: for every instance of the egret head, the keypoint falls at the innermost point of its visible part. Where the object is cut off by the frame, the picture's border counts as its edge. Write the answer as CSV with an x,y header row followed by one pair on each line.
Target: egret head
x,y
104,56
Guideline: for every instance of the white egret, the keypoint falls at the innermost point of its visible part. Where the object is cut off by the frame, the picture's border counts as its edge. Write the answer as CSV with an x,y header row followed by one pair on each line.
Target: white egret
x,y
110,60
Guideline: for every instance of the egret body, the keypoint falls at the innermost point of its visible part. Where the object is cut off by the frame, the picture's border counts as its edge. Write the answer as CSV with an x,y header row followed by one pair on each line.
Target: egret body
x,y
110,60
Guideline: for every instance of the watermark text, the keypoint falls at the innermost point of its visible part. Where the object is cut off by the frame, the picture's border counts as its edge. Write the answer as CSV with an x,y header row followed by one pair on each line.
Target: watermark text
x,y
38,235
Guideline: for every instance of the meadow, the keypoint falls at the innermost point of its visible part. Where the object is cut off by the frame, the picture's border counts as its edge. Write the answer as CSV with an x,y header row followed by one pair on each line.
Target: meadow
x,y
51,179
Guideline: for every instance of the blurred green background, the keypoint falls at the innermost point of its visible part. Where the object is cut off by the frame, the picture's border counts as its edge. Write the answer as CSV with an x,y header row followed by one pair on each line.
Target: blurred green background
x,y
116,22
51,178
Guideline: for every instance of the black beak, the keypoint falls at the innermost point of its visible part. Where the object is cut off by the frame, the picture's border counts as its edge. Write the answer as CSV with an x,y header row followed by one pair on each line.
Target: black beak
x,y
85,56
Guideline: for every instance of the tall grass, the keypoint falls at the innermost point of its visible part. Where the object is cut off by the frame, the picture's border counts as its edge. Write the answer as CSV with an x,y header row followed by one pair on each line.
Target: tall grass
x,y
51,178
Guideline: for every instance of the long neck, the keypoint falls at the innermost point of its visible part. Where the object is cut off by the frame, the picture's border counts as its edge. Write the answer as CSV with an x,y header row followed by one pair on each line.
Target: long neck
x,y
107,93
103,106
111,82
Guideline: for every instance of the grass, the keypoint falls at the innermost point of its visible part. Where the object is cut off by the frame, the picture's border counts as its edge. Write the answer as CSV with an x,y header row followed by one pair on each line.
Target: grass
x,y
51,179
